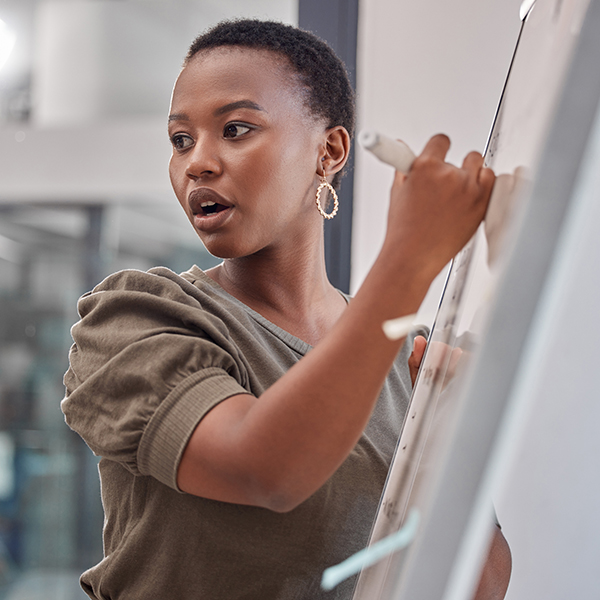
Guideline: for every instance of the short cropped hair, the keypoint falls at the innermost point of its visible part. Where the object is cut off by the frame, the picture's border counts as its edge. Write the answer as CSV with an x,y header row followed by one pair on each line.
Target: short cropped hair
x,y
329,92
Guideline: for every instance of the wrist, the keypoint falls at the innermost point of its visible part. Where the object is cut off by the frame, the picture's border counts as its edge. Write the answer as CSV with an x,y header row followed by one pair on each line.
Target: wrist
x,y
396,287
414,268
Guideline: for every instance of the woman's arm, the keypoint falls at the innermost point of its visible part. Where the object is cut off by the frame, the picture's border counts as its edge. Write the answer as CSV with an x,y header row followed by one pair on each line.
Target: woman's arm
x,y
495,576
277,451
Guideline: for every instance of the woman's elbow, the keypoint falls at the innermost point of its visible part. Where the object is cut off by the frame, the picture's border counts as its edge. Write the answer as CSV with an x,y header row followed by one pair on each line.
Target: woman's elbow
x,y
281,493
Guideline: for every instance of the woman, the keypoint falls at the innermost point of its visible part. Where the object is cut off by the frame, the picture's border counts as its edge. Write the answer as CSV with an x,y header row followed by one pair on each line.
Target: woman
x,y
236,463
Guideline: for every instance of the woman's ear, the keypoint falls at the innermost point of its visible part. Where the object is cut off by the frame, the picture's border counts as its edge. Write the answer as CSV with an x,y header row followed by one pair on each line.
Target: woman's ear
x,y
337,148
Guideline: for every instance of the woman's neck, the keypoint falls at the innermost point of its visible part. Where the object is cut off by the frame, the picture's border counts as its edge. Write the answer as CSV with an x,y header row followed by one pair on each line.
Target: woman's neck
x,y
288,286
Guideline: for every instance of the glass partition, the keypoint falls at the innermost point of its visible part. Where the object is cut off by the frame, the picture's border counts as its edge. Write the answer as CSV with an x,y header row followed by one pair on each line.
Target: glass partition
x,y
84,192
50,511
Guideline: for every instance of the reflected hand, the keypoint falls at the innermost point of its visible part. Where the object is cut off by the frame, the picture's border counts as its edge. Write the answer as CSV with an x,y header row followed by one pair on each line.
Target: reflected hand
x,y
439,355
415,359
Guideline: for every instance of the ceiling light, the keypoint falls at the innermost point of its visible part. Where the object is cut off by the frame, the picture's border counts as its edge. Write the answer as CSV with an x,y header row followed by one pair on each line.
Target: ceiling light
x,y
7,42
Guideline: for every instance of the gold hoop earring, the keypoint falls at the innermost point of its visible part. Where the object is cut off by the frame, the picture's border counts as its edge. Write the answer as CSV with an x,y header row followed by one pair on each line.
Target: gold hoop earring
x,y
325,184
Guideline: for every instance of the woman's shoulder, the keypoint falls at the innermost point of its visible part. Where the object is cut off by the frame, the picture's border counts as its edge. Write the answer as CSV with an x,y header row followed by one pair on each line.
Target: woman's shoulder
x,y
157,281
135,300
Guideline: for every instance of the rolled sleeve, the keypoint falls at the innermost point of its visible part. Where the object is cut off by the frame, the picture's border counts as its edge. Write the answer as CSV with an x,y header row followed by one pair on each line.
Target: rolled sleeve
x,y
146,366
170,427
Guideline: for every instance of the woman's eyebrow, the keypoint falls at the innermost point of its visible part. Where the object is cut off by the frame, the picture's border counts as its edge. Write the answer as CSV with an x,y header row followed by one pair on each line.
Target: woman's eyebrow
x,y
221,110
239,104
178,117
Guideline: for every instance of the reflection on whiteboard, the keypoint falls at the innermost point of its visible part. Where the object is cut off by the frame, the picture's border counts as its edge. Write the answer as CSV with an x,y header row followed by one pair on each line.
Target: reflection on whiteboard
x,y
527,105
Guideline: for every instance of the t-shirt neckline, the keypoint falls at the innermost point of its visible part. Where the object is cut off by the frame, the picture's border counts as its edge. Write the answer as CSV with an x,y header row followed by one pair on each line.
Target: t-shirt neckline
x,y
290,339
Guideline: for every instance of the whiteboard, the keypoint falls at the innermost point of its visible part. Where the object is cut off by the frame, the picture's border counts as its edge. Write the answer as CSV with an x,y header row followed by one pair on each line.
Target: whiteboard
x,y
456,410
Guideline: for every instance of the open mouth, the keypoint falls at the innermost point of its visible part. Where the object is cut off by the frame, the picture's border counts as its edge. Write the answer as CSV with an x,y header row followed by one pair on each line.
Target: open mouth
x,y
211,208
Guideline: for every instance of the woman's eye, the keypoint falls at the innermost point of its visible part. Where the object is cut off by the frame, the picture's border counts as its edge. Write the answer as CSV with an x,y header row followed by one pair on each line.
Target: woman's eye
x,y
233,130
181,142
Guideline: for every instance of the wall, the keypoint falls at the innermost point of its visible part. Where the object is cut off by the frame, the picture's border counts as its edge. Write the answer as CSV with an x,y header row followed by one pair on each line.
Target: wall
x,y
423,68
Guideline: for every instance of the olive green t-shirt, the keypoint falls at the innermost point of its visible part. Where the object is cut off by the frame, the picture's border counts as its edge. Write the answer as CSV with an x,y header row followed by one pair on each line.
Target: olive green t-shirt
x,y
152,354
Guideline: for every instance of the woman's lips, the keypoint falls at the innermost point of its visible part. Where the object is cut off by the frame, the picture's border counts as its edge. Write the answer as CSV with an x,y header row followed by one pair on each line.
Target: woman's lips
x,y
209,223
205,195
209,209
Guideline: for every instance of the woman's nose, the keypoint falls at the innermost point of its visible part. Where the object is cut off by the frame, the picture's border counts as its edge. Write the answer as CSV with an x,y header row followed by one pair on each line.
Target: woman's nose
x,y
203,161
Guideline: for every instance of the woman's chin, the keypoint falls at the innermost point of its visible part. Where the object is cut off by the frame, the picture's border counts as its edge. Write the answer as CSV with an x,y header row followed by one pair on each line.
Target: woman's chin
x,y
223,250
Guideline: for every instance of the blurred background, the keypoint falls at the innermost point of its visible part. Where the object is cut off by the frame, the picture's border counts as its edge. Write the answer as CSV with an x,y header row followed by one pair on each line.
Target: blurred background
x,y
84,191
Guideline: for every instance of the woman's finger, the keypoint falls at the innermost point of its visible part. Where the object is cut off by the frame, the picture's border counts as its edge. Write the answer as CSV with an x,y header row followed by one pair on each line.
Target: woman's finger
x,y
437,147
482,178
486,177
473,162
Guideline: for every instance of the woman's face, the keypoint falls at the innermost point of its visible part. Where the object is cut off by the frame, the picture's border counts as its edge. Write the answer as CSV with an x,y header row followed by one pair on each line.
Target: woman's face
x,y
245,152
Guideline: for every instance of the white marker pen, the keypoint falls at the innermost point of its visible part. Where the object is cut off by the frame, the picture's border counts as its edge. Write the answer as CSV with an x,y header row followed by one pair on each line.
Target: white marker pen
x,y
392,152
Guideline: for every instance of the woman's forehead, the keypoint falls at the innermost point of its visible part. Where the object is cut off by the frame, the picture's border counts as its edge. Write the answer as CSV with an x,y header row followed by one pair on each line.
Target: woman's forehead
x,y
230,72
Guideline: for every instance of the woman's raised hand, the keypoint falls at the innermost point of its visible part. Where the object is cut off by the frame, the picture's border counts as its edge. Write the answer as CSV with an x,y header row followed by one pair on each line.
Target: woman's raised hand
x,y
437,207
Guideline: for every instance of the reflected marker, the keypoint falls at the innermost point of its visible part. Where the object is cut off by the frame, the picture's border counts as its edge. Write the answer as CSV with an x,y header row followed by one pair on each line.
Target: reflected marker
x,y
395,329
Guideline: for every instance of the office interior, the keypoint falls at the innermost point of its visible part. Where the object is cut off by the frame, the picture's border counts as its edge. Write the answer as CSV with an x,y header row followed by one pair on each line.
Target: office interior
x,y
84,191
